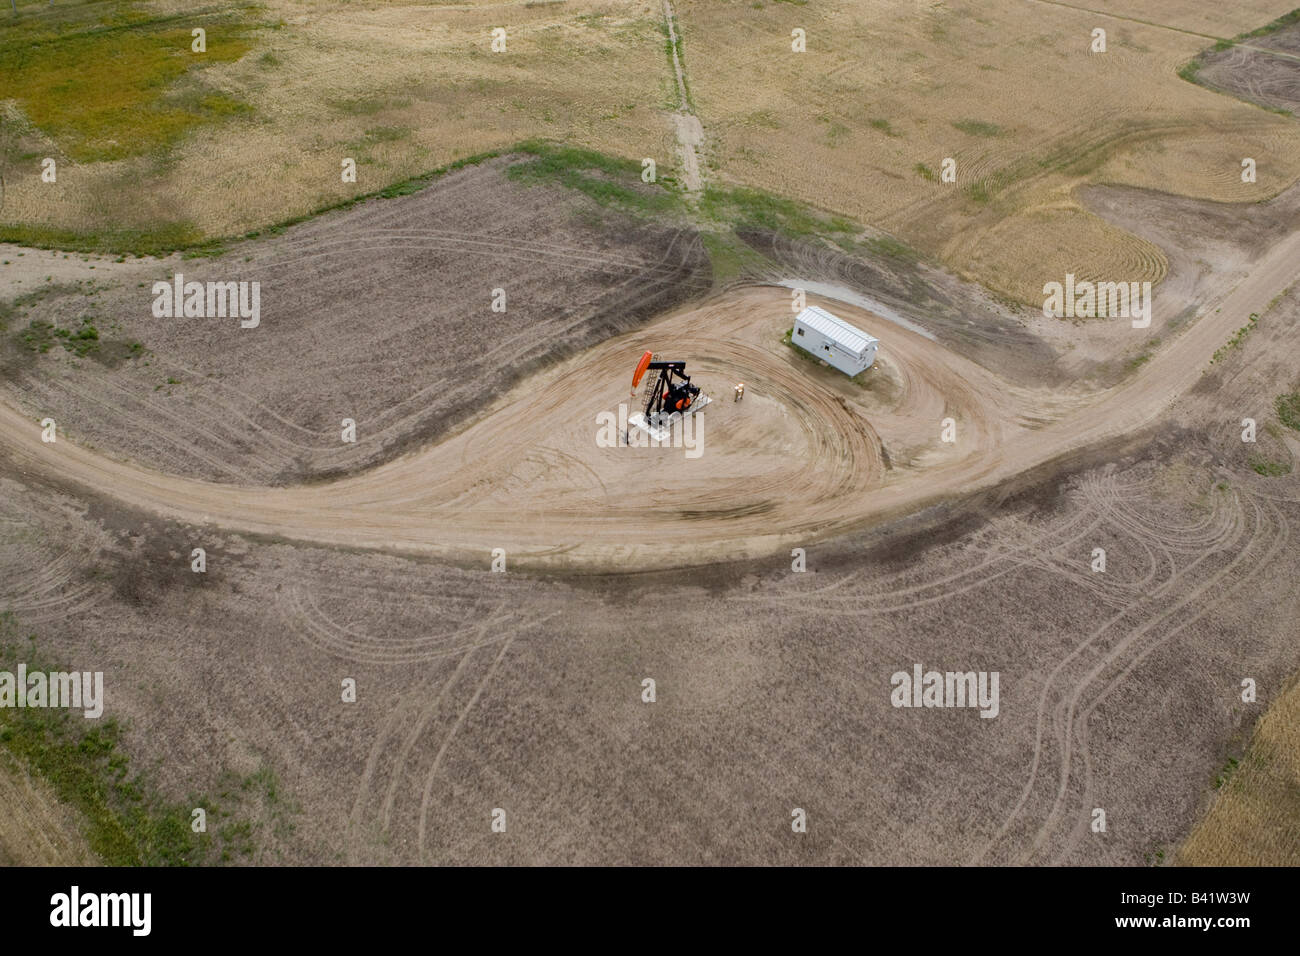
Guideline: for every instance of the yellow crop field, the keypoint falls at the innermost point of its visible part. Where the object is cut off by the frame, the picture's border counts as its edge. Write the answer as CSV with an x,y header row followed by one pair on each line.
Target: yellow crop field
x,y
1255,818
1011,92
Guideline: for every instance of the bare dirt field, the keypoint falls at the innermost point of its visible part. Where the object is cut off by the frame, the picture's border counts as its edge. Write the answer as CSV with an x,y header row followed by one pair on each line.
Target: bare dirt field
x,y
382,314
480,690
1263,70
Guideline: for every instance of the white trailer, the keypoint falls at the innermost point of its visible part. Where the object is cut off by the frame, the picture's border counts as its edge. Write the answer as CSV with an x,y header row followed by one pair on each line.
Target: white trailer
x,y
834,341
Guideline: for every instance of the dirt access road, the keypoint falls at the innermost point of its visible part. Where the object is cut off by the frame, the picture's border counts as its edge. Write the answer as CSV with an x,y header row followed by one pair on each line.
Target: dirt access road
x,y
796,460
803,456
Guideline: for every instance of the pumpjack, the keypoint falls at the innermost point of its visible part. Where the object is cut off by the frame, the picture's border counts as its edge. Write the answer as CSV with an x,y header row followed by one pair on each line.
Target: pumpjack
x,y
668,397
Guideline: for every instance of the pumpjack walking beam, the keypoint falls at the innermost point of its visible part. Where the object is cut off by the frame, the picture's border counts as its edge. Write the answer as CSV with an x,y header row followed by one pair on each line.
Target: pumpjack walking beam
x,y
671,392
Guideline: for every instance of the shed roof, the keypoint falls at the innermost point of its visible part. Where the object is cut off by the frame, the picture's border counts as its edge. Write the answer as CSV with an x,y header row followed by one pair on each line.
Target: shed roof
x,y
836,329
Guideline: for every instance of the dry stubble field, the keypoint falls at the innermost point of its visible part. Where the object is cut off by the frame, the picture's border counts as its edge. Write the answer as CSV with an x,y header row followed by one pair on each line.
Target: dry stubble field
x,y
859,124
401,88
1007,89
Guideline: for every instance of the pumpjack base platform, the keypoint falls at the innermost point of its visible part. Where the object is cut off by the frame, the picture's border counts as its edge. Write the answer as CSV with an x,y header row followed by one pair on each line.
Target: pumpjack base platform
x,y
660,425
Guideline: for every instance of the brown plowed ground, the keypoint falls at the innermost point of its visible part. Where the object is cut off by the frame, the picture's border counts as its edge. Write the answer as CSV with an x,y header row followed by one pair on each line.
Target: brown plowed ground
x,y
1264,70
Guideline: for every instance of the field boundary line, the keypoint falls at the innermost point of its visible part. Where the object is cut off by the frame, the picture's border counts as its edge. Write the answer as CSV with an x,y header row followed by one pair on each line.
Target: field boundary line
x,y
1166,26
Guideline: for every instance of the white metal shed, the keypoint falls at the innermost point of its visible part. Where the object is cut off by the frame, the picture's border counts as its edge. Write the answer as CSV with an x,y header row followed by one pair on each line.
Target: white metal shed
x,y
834,341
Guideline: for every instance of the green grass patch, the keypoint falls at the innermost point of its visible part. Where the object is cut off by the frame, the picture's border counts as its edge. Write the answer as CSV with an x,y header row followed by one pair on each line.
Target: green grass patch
x,y
764,118
978,191
754,208
1148,351
1269,469
883,126
609,180
10,310
1226,773
387,134
219,104
38,336
836,132
731,258
85,768
615,181
159,241
925,172
41,336
1288,410
978,128
111,81
81,341
1237,338
891,248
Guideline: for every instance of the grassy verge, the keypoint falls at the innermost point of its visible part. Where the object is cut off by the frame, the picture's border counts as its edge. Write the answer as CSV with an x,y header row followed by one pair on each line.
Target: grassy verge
x,y
609,180
743,207
126,821
1238,337
615,182
732,258
1285,20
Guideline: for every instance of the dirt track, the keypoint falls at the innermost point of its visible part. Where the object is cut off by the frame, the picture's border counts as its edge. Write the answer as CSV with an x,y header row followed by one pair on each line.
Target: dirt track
x,y
799,457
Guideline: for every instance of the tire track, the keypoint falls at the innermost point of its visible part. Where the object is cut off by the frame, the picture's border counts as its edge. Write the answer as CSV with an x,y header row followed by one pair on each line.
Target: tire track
x,y
1156,599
